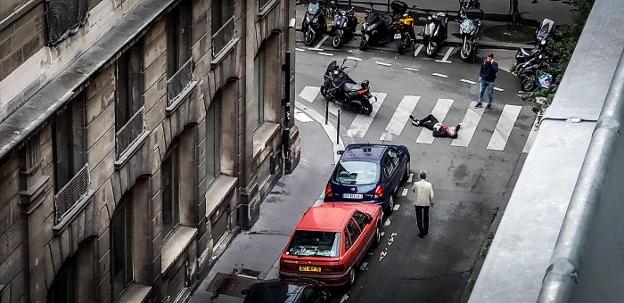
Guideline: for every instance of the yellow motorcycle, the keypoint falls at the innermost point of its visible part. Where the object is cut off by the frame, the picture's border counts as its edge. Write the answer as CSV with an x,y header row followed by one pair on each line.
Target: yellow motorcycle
x,y
405,35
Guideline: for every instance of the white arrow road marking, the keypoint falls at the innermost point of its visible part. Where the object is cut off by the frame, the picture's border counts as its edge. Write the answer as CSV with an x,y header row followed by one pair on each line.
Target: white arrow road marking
x,y
439,75
531,138
361,123
400,117
309,93
383,254
439,111
469,125
504,127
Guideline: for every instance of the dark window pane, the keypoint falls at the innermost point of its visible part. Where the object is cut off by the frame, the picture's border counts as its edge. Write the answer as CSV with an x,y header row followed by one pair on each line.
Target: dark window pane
x,y
354,231
121,247
69,141
170,186
63,288
221,12
315,243
213,139
178,37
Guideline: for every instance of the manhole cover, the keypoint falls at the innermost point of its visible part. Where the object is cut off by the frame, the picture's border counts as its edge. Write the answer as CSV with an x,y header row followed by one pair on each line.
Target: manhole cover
x,y
229,284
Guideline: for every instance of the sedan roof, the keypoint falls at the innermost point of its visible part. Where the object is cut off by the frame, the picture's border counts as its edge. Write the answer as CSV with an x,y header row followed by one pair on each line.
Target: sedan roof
x,y
364,152
332,216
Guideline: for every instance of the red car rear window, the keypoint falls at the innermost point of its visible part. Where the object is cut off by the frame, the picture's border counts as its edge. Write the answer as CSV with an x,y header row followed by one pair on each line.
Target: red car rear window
x,y
314,243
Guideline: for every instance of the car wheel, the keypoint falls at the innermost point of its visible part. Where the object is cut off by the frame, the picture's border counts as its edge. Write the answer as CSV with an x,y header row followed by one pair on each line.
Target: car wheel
x,y
377,239
352,276
337,41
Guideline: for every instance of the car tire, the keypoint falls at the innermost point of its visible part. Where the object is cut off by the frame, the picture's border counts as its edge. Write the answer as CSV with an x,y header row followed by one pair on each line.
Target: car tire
x,y
352,276
377,238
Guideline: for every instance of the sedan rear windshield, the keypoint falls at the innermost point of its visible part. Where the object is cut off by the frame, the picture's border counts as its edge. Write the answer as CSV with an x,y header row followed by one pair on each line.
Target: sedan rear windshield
x,y
315,243
357,172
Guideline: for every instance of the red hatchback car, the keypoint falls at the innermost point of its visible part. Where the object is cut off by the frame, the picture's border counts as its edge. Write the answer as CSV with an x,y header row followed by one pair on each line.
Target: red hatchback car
x,y
329,242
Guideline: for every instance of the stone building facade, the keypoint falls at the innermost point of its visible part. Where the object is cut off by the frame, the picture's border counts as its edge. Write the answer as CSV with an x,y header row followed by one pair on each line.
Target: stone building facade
x,y
136,137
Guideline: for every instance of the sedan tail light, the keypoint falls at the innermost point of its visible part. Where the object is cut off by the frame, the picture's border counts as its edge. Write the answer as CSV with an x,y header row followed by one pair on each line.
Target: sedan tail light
x,y
328,191
334,268
379,192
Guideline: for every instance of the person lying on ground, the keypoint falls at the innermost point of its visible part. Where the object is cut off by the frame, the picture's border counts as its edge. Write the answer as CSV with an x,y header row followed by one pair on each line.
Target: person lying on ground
x,y
438,129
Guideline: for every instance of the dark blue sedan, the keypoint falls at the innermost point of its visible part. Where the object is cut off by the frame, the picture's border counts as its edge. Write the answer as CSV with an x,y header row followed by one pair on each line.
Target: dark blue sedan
x,y
369,173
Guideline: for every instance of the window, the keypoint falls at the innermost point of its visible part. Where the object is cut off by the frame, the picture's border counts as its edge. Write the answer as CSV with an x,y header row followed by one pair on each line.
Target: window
x,y
221,12
74,280
170,172
63,18
178,37
69,141
262,3
348,242
357,172
314,243
361,219
129,93
388,166
259,87
354,231
213,139
121,247
63,289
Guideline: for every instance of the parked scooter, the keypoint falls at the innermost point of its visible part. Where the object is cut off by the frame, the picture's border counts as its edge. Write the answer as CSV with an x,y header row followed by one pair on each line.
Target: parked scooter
x,y
380,27
338,86
471,16
405,35
343,28
541,38
541,79
530,70
314,23
434,33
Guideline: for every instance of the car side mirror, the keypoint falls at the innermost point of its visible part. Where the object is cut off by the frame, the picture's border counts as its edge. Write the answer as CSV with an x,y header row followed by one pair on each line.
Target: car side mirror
x,y
340,152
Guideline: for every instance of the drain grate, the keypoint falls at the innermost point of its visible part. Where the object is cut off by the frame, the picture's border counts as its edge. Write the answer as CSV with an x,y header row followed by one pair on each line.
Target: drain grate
x,y
231,284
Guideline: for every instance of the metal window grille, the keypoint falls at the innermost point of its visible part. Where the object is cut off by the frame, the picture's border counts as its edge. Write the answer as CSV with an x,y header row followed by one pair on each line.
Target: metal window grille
x,y
63,18
71,193
223,37
130,132
179,82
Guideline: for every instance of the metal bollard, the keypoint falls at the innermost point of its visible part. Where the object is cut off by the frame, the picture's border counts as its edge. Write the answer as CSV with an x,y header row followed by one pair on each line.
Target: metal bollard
x,y
338,129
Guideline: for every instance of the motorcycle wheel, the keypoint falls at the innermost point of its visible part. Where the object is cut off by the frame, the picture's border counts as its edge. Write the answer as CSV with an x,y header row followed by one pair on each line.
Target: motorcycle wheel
x,y
324,92
337,41
363,44
309,38
367,108
528,85
466,50
431,49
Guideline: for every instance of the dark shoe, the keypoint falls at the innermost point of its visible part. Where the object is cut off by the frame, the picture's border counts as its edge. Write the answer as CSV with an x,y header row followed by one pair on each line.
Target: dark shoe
x,y
421,236
457,127
479,105
489,106
412,117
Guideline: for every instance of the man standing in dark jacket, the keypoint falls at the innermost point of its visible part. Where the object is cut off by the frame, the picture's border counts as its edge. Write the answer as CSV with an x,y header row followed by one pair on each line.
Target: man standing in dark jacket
x,y
487,76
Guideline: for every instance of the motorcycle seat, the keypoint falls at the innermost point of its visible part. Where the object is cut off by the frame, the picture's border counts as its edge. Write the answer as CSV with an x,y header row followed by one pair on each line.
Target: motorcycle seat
x,y
351,86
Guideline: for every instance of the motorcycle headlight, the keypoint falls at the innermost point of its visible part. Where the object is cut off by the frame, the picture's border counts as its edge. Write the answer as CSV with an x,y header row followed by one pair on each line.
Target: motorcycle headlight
x,y
543,42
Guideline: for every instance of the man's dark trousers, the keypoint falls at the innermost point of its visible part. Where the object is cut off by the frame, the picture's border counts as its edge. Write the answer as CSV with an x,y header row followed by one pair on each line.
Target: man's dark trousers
x,y
422,219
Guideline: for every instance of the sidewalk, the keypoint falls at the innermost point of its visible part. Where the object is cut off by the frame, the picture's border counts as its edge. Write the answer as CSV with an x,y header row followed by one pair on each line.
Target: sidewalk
x,y
259,249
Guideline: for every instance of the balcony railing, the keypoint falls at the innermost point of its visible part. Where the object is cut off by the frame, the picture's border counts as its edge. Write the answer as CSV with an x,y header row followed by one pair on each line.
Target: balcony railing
x,y
130,132
225,35
180,82
71,193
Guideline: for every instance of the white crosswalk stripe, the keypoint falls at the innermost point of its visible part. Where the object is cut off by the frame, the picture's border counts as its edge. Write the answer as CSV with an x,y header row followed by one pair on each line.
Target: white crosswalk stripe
x,y
400,117
439,111
531,138
504,127
309,93
469,125
361,123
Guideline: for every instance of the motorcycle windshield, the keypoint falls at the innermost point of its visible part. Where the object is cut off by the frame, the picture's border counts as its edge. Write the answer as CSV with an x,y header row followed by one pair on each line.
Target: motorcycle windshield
x,y
467,26
313,8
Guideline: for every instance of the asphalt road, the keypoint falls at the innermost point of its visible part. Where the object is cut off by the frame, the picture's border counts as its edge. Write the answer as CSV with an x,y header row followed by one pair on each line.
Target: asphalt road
x,y
472,176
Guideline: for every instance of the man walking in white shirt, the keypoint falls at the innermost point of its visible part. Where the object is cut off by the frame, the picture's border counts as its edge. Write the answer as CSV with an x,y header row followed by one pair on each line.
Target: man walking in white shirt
x,y
422,201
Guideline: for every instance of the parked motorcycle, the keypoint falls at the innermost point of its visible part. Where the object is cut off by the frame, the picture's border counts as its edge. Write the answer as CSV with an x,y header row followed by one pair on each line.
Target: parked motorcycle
x,y
469,28
405,35
530,70
343,28
314,23
380,27
338,86
541,37
434,33
541,79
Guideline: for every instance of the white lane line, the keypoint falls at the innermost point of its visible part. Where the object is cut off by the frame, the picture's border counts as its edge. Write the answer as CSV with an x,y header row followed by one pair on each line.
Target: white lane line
x,y
411,69
309,93
315,49
396,206
388,222
354,58
411,177
300,49
418,49
469,125
344,298
439,111
364,266
400,117
504,127
439,75
302,117
446,56
322,41
404,193
325,54
498,89
361,123
383,63
531,138
468,81
383,233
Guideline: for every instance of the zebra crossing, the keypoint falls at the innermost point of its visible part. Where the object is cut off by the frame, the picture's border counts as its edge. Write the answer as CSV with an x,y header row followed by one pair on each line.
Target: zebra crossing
x,y
359,126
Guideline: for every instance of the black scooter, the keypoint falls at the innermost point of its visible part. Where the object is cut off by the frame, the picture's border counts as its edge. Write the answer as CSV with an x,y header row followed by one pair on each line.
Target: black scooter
x,y
338,86
471,16
343,28
434,33
380,27
541,36
314,23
